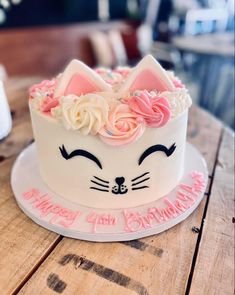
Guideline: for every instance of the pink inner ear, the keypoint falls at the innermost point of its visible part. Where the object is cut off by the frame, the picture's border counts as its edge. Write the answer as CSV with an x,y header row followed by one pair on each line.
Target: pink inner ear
x,y
149,81
79,85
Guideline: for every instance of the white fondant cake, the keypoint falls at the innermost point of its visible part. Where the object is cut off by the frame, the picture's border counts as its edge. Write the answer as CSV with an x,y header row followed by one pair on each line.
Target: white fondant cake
x,y
111,139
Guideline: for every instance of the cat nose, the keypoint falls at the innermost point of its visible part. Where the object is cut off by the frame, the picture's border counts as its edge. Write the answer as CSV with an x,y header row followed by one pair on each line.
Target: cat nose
x,y
119,180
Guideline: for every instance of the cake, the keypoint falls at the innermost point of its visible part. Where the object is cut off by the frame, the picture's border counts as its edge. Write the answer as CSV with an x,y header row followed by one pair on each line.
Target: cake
x,y
111,139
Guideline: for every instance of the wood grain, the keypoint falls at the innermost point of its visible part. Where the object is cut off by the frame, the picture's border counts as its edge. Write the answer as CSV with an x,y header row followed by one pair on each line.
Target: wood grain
x,y
21,134
39,262
204,133
154,265
28,243
23,243
214,270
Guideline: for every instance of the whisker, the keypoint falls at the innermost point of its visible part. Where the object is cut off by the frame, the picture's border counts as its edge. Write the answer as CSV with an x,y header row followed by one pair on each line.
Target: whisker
x,y
134,179
100,179
141,187
98,189
141,181
100,184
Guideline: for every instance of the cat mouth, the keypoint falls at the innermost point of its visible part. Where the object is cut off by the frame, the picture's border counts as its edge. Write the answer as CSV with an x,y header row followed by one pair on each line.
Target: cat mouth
x,y
119,190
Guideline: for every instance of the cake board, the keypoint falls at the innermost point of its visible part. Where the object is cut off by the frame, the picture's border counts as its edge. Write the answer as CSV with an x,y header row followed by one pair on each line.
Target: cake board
x,y
69,219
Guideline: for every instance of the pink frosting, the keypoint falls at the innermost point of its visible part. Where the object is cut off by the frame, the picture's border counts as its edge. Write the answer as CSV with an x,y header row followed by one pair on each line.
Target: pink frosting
x,y
47,86
109,76
149,80
178,84
79,84
45,90
122,127
124,71
48,104
155,110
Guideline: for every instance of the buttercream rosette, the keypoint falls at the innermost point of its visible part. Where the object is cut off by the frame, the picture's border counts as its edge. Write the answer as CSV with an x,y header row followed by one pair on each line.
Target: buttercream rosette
x,y
86,113
122,127
154,109
43,94
117,120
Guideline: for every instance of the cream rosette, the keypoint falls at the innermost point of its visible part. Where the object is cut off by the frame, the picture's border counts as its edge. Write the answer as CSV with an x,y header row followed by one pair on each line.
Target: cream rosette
x,y
87,113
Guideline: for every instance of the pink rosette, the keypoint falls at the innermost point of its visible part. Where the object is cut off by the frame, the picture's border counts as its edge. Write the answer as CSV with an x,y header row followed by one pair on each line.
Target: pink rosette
x,y
46,86
44,91
154,110
48,104
122,127
178,84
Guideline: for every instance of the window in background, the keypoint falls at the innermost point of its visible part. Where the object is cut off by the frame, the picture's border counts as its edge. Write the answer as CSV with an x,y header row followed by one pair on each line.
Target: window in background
x,y
44,12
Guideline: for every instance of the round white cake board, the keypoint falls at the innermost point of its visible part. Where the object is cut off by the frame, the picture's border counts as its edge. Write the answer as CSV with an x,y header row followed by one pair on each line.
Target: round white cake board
x,y
96,224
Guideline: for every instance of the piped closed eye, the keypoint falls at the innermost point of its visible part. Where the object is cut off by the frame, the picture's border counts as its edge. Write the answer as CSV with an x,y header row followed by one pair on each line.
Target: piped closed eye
x,y
82,153
157,148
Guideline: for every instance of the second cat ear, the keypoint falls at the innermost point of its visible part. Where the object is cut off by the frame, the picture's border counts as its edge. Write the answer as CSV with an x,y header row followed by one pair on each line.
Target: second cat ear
x,y
79,79
147,75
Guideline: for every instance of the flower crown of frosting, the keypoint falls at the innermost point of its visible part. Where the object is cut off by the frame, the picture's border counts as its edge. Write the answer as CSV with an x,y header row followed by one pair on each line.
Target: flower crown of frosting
x,y
117,105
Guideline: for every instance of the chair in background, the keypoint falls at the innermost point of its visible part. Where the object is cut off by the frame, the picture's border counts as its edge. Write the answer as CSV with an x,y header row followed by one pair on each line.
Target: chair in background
x,y
108,48
46,50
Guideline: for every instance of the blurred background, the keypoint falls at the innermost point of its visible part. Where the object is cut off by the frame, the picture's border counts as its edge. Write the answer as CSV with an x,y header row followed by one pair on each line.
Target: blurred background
x,y
195,38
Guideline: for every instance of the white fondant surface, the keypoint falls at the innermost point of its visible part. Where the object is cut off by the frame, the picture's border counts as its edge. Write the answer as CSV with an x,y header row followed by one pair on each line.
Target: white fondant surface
x,y
25,176
71,178
147,63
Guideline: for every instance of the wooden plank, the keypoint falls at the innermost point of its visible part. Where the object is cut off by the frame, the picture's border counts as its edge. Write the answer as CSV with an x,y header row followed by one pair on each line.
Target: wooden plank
x,y
214,270
204,133
154,265
23,243
27,242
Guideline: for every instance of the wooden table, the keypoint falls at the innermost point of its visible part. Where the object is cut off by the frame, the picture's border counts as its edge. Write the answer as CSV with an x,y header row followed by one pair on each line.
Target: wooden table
x,y
194,257
213,70
219,44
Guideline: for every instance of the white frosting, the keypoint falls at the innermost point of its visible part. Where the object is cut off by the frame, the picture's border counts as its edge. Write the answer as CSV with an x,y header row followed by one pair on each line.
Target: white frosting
x,y
88,143
87,113
179,101
72,178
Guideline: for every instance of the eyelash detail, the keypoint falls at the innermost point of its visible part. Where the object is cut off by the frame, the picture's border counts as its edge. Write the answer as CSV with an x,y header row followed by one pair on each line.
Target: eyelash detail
x,y
157,148
81,153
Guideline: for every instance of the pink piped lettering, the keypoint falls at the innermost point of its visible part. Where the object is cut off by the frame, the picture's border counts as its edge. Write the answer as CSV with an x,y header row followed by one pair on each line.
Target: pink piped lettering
x,y
185,197
172,210
101,219
56,213
133,221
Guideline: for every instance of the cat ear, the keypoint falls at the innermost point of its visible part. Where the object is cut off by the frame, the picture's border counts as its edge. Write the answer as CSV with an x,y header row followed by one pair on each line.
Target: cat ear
x,y
79,79
149,75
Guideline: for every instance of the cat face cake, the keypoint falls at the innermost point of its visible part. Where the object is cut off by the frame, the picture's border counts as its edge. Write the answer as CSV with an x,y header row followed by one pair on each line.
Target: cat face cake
x,y
111,138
